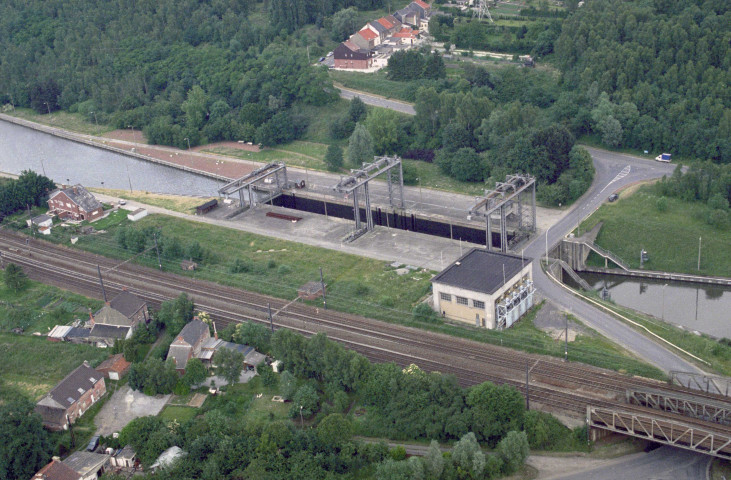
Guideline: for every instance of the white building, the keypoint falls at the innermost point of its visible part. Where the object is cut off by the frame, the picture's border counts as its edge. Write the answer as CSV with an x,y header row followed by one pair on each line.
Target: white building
x,y
137,214
485,289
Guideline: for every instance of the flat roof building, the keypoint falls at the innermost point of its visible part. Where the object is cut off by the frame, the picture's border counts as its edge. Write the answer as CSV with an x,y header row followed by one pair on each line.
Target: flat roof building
x,y
485,289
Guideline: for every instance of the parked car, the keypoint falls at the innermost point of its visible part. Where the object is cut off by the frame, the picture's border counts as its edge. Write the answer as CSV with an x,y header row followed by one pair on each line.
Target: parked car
x,y
322,59
123,202
613,197
93,443
330,54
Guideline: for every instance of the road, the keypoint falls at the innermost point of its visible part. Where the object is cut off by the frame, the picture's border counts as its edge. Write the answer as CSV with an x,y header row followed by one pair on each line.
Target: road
x,y
665,463
377,100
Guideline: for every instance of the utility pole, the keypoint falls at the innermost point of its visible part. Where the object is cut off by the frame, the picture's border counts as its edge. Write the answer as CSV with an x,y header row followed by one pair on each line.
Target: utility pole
x,y
271,320
159,263
322,285
699,252
30,218
566,340
104,293
527,386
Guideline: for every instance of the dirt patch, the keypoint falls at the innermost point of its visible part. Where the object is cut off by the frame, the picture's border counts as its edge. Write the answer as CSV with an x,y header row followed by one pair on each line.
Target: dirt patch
x,y
234,145
552,320
197,400
128,135
124,406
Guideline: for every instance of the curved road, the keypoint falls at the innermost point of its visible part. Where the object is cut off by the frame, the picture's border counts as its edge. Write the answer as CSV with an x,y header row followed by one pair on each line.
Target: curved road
x,y
377,100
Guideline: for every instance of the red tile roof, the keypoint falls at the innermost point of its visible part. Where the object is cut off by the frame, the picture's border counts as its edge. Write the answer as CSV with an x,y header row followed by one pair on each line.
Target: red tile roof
x,y
115,363
423,5
368,34
351,45
56,471
385,23
406,32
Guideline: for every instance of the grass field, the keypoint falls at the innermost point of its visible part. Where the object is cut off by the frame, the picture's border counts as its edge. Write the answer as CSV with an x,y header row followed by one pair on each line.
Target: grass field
x,y
298,153
378,84
176,203
431,177
74,122
670,237
33,365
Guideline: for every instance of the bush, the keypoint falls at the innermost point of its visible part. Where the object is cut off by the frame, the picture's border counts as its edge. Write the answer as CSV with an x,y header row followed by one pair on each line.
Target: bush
x,y
241,266
424,313
271,263
513,450
661,204
284,270
425,155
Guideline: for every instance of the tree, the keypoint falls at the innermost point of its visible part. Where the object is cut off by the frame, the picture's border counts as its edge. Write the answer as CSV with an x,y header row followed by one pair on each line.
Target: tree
x,y
513,450
195,108
288,384
357,111
467,455
360,146
25,447
15,278
466,166
434,66
393,470
195,372
334,430
334,158
405,65
434,461
495,411
306,397
384,127
344,24
229,364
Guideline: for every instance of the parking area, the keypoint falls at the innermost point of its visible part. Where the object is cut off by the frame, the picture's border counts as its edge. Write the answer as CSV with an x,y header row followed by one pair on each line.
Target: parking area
x,y
124,406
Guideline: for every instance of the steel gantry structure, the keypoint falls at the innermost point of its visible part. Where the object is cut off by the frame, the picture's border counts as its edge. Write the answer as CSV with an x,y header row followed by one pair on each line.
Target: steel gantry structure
x,y
359,179
507,199
249,181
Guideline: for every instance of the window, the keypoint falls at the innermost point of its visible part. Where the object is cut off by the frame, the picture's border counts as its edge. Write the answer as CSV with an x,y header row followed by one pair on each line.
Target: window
x,y
478,304
445,296
462,301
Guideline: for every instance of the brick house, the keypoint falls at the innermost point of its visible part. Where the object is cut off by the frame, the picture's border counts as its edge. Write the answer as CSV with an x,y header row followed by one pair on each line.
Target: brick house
x,y
188,343
73,395
118,319
56,470
350,55
75,203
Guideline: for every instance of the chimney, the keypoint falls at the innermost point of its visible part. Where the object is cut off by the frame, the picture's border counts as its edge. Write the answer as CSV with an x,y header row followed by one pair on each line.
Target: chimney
x,y
91,317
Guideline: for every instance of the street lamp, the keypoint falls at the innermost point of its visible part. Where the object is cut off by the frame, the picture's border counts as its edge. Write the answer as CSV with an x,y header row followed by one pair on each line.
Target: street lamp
x,y
302,420
47,106
132,129
187,140
12,103
421,199
663,301
549,227
95,120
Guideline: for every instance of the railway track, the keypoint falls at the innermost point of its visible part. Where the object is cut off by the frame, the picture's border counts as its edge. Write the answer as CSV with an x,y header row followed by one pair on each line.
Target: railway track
x,y
554,384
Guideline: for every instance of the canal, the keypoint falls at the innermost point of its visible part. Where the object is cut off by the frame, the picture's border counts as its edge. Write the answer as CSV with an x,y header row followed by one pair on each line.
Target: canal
x,y
69,162
705,308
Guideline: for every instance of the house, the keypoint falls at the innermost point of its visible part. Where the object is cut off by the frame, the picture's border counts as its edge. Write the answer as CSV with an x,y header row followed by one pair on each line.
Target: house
x,y
73,395
40,221
118,319
88,465
167,458
378,29
137,214
406,36
413,13
56,470
124,458
390,23
350,55
485,289
210,346
75,203
188,343
114,367
366,39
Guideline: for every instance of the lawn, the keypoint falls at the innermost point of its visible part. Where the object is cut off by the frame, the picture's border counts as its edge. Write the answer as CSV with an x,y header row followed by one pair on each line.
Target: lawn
x,y
431,176
74,122
179,413
378,84
670,237
241,399
298,153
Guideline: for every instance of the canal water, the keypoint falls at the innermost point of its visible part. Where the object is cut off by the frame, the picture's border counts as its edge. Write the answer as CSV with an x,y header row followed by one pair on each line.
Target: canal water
x,y
69,162
705,308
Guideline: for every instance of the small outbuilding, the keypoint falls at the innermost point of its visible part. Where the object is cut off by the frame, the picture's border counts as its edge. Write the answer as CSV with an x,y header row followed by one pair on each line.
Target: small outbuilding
x,y
89,465
40,221
137,214
114,367
124,458
167,458
206,207
485,289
